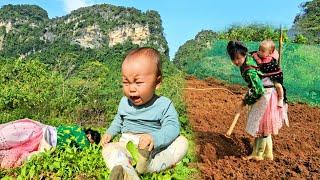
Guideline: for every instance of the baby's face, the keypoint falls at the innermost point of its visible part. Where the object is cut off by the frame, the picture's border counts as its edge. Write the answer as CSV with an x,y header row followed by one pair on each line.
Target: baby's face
x,y
139,79
264,53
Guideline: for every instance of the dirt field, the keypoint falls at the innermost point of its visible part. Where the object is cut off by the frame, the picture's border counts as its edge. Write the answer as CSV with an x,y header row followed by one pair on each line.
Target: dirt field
x,y
296,148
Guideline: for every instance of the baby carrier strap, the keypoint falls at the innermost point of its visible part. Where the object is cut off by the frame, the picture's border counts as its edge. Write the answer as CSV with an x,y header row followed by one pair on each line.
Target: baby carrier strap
x,y
271,74
247,67
249,64
269,68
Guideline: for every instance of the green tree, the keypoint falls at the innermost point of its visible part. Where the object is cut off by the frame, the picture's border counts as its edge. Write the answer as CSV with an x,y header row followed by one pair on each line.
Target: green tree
x,y
27,12
300,39
192,50
252,32
307,22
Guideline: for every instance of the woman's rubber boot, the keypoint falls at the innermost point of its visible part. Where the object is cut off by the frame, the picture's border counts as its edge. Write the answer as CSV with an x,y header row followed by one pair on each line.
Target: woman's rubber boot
x,y
261,147
254,150
268,153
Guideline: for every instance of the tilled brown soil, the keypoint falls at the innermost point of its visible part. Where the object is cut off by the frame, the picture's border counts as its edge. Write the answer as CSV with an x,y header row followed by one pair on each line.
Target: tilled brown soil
x,y
296,148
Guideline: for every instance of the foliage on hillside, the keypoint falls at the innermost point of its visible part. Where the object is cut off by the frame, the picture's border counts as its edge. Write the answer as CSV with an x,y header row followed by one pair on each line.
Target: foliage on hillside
x,y
192,50
307,23
15,13
31,30
252,32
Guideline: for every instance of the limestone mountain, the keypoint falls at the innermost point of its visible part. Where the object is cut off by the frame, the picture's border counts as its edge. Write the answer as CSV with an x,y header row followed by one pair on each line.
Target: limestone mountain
x,y
69,67
191,50
26,29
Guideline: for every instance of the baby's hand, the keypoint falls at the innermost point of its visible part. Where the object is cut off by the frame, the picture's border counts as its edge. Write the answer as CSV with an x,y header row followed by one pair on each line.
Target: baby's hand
x,y
146,141
105,139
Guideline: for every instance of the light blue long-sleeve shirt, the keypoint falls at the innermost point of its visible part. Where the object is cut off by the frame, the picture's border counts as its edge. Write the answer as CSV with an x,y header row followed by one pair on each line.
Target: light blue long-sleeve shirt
x,y
158,118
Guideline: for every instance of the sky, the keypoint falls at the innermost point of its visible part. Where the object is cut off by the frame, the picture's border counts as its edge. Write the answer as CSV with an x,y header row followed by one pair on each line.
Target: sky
x,y
182,20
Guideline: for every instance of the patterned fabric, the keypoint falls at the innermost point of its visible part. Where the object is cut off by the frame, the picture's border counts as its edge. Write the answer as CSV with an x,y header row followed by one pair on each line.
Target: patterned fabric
x,y
272,118
272,70
252,76
17,140
264,117
270,67
71,135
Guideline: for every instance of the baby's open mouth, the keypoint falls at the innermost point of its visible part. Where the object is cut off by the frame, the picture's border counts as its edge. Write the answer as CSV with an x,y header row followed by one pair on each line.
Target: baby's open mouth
x,y
134,98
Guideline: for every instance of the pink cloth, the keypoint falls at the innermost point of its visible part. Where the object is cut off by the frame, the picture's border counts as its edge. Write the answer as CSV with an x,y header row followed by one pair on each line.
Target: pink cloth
x,y
262,60
17,140
267,59
264,116
272,118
